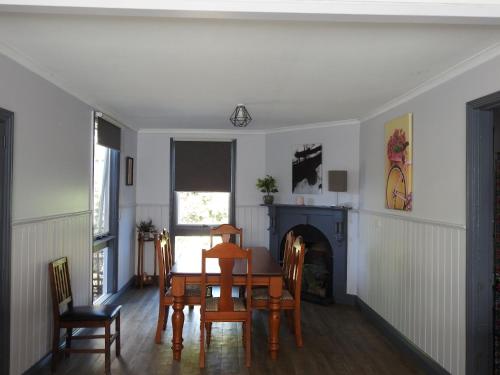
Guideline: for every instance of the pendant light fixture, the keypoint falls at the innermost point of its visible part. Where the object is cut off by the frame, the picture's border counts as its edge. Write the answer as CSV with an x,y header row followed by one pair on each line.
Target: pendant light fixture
x,y
240,117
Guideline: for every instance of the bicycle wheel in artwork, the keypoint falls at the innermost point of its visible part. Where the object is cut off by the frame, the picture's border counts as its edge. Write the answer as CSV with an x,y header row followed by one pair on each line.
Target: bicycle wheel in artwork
x,y
399,163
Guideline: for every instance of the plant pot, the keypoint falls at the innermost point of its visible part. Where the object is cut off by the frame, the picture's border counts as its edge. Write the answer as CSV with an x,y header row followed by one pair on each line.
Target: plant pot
x,y
268,199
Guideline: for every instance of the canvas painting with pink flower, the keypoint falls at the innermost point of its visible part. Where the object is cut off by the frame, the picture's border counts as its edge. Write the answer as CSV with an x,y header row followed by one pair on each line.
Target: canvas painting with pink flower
x,y
398,163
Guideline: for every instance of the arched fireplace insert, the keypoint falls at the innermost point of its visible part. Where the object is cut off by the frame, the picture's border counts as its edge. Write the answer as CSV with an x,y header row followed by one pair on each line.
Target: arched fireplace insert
x,y
325,228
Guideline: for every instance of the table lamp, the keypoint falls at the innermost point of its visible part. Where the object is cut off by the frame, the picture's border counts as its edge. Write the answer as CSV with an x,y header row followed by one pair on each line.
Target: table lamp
x,y
337,182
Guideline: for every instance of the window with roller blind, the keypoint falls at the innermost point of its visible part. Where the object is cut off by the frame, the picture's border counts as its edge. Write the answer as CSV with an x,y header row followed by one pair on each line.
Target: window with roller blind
x,y
202,190
107,139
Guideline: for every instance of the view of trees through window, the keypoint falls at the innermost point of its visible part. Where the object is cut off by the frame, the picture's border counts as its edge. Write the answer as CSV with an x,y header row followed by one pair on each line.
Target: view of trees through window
x,y
200,208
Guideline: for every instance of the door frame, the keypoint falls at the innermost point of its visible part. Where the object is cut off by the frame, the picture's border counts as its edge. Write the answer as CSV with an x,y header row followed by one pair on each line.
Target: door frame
x,y
7,118
480,198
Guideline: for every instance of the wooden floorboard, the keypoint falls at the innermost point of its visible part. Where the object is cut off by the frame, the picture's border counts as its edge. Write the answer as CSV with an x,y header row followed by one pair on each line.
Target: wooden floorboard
x,y
337,340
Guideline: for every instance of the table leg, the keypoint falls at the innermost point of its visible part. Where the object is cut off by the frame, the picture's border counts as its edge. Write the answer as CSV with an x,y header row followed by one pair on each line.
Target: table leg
x,y
275,290
177,316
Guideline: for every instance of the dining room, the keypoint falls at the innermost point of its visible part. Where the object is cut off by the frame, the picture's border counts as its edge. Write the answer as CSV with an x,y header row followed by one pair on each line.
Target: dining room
x,y
249,187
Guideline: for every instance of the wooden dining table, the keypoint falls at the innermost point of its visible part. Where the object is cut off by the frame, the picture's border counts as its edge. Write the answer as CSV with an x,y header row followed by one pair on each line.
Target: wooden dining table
x,y
265,272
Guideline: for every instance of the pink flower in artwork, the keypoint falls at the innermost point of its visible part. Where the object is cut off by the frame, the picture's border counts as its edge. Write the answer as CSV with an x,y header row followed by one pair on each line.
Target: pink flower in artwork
x,y
396,146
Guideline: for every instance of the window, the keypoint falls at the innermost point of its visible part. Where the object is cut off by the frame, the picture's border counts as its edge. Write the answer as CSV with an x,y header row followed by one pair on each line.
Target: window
x,y
105,215
202,195
102,159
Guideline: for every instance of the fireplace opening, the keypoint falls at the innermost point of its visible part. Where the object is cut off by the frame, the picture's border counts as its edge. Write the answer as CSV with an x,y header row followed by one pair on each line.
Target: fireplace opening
x,y
317,274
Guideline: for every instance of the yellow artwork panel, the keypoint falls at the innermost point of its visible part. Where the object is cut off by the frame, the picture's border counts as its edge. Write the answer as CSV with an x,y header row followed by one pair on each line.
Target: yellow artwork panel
x,y
399,163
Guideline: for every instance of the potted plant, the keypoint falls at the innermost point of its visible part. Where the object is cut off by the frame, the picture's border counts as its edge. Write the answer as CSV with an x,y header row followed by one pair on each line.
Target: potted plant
x,y
267,185
146,227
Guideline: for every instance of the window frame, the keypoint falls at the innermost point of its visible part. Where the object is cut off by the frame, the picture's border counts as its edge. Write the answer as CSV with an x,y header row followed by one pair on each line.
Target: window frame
x,y
110,239
190,229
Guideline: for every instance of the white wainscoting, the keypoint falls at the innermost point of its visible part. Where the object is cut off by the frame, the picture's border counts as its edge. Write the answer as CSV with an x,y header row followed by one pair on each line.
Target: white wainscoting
x,y
412,273
35,243
253,220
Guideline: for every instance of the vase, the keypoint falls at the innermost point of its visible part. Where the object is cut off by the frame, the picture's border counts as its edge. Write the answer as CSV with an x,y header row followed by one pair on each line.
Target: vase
x,y
268,199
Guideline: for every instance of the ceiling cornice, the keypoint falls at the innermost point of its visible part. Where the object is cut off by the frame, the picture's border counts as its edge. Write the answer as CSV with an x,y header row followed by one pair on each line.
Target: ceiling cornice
x,y
46,74
456,70
318,125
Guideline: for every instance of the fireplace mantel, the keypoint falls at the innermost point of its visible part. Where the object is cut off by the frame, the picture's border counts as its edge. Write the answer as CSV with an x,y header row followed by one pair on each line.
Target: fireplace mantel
x,y
330,220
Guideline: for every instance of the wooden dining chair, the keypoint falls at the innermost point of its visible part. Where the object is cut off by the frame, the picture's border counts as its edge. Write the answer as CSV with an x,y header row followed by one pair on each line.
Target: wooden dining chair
x,y
226,308
290,299
164,257
226,231
287,253
68,316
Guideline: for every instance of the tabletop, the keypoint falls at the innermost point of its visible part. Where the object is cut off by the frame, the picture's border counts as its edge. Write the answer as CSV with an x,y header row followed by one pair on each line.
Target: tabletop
x,y
263,264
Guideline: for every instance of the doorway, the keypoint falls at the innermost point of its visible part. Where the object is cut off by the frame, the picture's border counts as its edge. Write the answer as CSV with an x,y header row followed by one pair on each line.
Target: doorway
x,y
6,146
483,233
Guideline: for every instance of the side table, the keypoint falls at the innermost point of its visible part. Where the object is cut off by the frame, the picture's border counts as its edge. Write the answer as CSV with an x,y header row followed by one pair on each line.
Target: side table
x,y
142,278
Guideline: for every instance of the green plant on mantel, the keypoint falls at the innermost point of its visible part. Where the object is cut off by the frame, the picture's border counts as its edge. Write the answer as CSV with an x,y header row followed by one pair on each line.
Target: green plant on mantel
x,y
146,226
267,185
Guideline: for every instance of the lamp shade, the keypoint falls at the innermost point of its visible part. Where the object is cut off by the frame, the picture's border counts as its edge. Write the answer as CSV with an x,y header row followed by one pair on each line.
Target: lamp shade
x,y
337,181
240,117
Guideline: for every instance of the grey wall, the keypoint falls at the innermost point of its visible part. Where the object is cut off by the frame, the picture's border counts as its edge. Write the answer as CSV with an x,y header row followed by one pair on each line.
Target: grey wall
x,y
126,241
51,204
411,265
340,151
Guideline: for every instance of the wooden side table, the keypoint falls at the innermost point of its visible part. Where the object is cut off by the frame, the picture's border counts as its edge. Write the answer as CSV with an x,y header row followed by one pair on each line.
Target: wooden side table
x,y
141,278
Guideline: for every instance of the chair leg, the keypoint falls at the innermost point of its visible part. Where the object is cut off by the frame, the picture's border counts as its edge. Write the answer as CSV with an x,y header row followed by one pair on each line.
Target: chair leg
x,y
55,346
202,345
107,349
160,323
208,329
297,327
69,334
248,342
166,317
118,334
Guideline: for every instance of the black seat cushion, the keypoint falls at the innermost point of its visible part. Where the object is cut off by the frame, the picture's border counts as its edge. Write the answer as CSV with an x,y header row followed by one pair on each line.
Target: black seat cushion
x,y
100,312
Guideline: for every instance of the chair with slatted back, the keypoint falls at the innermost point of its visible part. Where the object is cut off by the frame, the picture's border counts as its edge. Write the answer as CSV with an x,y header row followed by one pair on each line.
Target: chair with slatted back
x,y
165,262
289,241
68,316
226,308
290,299
226,231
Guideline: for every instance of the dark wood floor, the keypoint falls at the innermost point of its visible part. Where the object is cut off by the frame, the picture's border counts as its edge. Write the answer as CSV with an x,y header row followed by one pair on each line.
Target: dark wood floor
x,y
337,340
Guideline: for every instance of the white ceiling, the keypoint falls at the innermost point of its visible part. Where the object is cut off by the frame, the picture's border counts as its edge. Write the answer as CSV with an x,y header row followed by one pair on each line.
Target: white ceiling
x,y
191,73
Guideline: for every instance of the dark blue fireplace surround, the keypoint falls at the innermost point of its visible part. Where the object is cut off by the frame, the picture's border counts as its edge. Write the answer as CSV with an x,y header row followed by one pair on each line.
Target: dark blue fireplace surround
x,y
331,221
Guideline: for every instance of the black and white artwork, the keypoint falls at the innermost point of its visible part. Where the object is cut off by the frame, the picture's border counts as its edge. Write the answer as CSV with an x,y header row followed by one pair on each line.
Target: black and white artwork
x,y
306,169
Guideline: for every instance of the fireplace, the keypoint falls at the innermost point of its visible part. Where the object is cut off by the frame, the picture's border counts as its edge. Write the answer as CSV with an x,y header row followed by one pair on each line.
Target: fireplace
x,y
324,230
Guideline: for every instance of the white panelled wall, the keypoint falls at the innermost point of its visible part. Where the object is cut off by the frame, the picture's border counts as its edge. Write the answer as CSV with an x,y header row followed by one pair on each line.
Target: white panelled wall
x,y
35,243
412,273
253,219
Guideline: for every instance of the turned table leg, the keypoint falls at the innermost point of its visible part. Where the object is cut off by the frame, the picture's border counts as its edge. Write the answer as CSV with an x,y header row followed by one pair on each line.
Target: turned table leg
x,y
177,316
275,290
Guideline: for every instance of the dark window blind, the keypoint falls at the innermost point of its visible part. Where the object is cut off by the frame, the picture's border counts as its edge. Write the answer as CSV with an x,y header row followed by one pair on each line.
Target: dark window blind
x,y
108,135
202,166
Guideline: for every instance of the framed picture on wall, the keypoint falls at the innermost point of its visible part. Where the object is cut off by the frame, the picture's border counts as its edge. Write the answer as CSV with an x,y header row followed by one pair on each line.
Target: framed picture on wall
x,y
399,163
306,169
129,170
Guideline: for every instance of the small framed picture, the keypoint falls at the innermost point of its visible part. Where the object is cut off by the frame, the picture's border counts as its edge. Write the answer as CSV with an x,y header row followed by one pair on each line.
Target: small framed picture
x,y
129,170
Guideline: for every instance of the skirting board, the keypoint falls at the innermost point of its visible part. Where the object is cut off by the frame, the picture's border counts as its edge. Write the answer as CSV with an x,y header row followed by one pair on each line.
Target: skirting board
x,y
45,360
429,365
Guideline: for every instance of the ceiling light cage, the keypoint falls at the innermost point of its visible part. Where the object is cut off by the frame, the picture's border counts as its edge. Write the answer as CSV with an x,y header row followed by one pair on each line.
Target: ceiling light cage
x,y
240,117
